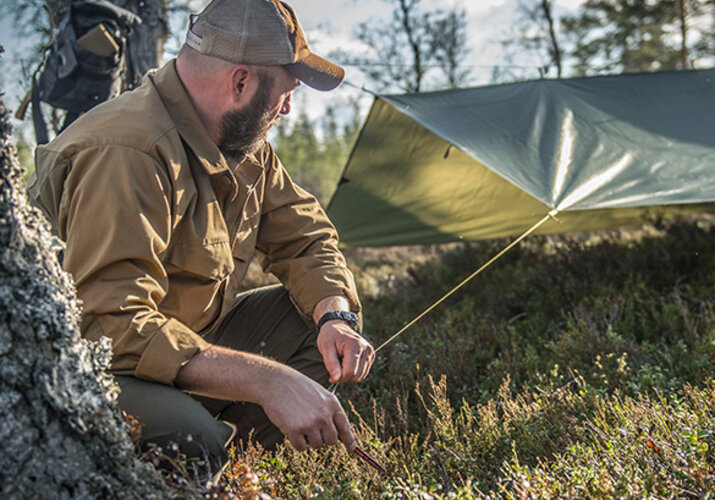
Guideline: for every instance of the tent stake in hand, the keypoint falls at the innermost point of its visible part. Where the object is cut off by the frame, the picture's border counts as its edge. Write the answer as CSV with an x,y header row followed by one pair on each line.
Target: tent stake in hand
x,y
371,461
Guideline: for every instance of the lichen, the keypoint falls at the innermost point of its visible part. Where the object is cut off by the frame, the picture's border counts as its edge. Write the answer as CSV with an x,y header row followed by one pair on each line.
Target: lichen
x,y
62,433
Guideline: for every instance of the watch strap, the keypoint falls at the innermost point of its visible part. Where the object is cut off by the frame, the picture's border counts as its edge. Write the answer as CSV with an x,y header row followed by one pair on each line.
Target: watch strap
x,y
348,316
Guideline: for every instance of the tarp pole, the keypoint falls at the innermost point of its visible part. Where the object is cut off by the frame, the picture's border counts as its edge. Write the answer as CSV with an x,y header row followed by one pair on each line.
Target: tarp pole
x,y
550,215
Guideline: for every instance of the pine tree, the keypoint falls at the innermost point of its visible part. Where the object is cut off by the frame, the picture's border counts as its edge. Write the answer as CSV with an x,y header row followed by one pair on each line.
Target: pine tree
x,y
625,36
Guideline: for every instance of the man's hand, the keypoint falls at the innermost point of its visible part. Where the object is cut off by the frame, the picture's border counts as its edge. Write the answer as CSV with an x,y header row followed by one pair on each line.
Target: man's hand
x,y
347,355
306,413
302,409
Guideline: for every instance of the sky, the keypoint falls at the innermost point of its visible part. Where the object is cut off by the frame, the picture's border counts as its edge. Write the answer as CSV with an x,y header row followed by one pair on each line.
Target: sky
x,y
330,24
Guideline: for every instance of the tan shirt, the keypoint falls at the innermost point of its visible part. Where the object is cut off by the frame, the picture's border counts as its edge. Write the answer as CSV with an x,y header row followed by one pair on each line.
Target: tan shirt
x,y
159,231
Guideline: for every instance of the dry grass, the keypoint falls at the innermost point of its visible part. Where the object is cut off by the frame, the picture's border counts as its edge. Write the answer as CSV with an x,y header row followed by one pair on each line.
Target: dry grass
x,y
579,367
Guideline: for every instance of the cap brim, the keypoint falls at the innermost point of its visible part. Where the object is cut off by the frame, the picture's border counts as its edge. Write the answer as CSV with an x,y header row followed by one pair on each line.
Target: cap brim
x,y
317,72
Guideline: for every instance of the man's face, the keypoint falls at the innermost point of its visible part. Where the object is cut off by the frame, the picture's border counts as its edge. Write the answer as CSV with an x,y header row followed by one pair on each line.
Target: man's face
x,y
244,130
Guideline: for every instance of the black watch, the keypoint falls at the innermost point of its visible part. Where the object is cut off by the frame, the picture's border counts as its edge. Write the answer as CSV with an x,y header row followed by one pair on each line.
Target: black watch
x,y
348,316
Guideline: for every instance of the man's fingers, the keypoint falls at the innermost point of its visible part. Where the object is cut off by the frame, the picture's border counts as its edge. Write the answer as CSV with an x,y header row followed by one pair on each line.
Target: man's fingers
x,y
351,362
332,364
347,356
330,435
298,441
360,363
345,433
366,360
314,439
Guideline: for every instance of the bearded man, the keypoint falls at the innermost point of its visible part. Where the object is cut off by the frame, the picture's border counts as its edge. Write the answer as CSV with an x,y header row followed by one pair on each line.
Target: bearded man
x,y
163,196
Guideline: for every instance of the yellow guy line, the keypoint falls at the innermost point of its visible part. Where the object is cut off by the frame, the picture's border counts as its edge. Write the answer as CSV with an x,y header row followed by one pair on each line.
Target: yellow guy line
x,y
511,245
550,215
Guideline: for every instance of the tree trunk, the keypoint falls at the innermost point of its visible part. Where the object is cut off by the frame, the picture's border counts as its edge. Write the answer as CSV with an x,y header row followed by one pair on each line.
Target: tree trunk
x,y
683,19
555,51
62,434
408,12
147,41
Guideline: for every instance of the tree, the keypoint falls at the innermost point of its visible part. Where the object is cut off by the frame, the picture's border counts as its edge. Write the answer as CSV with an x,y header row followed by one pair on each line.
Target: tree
x,y
614,36
413,44
448,45
697,33
298,148
535,36
315,151
352,127
63,433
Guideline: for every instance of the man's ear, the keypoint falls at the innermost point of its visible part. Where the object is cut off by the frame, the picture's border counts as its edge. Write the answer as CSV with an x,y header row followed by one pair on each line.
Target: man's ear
x,y
239,82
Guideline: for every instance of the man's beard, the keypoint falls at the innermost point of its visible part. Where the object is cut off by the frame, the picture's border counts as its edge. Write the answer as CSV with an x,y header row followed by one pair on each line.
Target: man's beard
x,y
244,131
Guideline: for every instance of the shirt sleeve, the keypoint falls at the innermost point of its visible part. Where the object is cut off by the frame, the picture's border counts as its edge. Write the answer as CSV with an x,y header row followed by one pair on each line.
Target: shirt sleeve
x,y
300,244
115,215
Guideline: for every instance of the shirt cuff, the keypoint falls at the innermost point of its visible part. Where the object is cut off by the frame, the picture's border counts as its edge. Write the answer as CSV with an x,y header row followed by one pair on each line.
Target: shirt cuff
x,y
319,284
171,347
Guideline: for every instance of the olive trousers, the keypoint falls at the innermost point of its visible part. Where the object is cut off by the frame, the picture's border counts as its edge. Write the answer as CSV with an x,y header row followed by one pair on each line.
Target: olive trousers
x,y
263,321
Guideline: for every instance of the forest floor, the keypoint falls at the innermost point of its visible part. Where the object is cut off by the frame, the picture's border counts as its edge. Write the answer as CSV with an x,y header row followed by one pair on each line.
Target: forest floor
x,y
579,366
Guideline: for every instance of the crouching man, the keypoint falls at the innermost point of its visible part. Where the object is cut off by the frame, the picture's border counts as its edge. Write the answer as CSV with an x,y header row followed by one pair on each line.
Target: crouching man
x,y
163,196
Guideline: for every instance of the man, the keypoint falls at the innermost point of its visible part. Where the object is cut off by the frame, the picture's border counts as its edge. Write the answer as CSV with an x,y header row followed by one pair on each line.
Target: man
x,y
162,196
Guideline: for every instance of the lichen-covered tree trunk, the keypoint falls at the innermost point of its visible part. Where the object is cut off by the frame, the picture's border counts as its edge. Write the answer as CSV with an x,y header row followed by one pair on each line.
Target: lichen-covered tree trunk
x,y
62,434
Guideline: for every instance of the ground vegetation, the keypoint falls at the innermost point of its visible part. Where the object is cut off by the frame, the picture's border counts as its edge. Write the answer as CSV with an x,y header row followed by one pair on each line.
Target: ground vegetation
x,y
580,366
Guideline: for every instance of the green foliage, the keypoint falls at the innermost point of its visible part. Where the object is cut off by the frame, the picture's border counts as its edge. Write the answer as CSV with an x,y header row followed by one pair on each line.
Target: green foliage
x,y
630,447
610,36
578,366
24,154
625,36
315,153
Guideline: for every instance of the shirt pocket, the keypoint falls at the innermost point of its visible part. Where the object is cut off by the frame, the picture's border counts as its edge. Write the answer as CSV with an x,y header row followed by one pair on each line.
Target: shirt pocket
x,y
212,260
200,241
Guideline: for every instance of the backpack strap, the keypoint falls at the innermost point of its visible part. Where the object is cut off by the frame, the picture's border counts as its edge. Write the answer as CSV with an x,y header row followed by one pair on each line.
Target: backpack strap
x,y
63,44
69,62
125,17
70,116
37,119
134,65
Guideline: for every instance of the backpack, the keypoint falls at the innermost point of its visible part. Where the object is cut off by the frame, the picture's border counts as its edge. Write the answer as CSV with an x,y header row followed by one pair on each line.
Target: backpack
x,y
87,62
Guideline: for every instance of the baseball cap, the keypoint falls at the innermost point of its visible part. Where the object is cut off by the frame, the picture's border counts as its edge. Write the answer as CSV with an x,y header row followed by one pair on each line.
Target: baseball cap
x,y
261,33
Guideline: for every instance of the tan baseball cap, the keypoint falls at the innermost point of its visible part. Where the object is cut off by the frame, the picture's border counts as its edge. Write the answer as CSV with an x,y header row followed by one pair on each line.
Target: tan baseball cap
x,y
261,33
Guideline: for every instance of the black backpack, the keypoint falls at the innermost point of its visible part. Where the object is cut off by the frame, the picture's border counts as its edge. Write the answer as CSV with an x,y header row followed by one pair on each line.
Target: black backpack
x,y
87,62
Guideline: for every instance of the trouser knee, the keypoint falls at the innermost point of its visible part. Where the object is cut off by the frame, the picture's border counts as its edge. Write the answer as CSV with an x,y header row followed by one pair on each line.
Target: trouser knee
x,y
175,422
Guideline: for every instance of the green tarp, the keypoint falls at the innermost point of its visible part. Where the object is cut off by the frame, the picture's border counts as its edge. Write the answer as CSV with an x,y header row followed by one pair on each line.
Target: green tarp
x,y
489,162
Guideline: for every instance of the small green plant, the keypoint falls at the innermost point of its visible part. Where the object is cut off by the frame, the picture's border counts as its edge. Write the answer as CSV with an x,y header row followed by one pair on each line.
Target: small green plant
x,y
578,367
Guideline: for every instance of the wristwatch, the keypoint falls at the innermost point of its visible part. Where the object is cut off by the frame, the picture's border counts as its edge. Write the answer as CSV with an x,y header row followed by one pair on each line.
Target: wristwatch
x,y
348,316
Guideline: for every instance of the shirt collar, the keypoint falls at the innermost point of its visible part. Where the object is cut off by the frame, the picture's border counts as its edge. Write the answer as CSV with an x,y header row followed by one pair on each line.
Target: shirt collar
x,y
182,112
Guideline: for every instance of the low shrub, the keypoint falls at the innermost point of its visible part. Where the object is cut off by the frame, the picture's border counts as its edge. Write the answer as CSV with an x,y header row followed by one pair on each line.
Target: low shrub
x,y
578,366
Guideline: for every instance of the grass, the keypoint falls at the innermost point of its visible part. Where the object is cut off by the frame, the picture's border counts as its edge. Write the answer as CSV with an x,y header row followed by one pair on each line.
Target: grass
x,y
579,366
